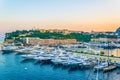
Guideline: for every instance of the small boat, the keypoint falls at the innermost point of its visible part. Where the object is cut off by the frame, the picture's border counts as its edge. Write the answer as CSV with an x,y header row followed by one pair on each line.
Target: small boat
x,y
22,51
25,68
43,58
59,60
29,56
101,66
118,64
71,63
109,68
9,48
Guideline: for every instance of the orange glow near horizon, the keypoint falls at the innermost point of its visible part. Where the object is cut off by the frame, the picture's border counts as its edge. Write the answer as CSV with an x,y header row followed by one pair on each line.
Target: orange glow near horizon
x,y
86,28
78,15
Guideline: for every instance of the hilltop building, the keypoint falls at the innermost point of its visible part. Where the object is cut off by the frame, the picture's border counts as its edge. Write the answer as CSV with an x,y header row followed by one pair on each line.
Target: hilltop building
x,y
34,41
64,31
42,30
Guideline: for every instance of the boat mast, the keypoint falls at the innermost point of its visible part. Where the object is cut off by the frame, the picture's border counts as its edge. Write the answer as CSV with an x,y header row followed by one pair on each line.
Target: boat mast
x,y
97,76
108,52
117,46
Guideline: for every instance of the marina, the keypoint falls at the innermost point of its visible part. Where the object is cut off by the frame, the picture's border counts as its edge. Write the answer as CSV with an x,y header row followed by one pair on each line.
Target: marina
x,y
64,57
59,39
94,60
11,64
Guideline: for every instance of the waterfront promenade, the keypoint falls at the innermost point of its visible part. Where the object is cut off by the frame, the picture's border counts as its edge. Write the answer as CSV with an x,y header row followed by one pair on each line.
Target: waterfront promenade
x,y
104,58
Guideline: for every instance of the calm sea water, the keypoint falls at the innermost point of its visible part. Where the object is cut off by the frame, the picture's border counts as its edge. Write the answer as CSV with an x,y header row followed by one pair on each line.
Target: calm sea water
x,y
12,68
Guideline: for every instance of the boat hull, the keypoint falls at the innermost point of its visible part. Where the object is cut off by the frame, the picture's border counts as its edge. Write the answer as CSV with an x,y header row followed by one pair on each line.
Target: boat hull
x,y
7,51
109,68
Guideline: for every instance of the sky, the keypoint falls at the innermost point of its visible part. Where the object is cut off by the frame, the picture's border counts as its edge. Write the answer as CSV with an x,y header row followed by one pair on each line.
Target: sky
x,y
79,15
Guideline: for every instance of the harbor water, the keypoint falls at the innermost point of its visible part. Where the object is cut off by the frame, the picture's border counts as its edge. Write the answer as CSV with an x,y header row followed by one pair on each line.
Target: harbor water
x,y
12,67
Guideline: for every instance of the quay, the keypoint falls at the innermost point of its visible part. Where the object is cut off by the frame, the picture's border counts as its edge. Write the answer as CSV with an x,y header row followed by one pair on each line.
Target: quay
x,y
103,58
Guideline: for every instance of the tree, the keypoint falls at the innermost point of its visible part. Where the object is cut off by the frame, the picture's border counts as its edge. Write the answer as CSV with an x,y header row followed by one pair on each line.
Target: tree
x,y
102,53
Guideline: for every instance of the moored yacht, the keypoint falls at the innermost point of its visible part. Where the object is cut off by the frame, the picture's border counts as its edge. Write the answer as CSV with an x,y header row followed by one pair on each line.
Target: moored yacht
x,y
101,66
9,48
109,68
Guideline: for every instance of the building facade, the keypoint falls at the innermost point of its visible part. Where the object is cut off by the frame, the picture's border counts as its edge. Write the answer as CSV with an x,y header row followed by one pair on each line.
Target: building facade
x,y
35,41
105,39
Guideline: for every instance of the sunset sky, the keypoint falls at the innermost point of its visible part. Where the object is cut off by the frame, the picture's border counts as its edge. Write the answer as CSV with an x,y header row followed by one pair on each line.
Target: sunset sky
x,y
80,15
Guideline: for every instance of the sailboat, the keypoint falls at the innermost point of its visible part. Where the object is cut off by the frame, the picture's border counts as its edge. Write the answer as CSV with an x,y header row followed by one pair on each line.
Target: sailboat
x,y
109,67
